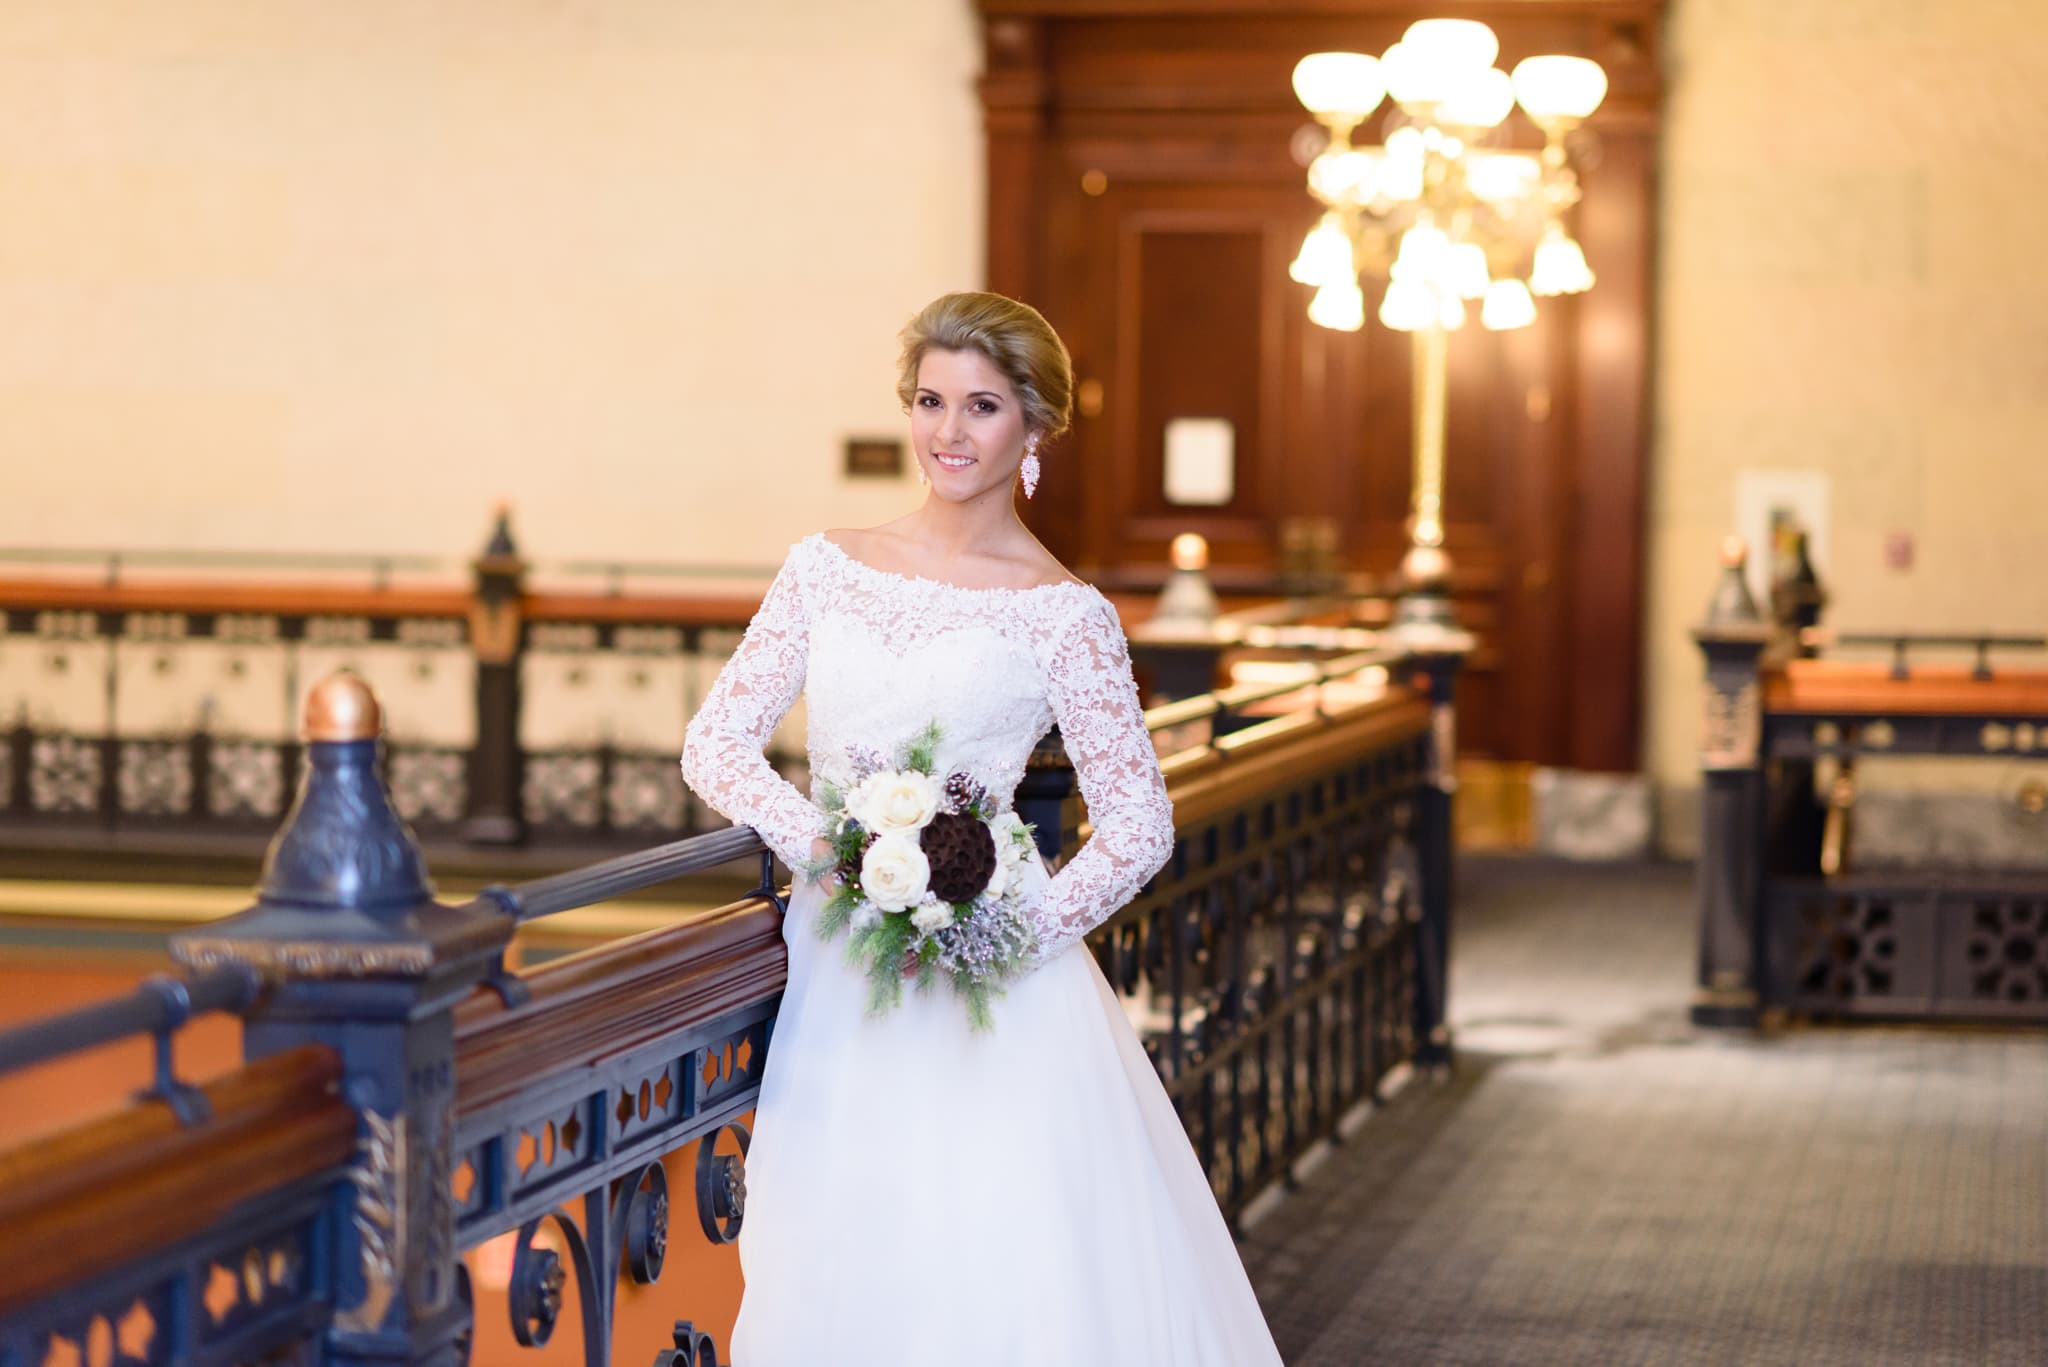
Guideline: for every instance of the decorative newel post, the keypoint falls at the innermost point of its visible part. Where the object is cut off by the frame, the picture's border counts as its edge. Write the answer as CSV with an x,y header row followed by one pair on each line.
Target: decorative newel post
x,y
1043,792
495,816
1439,654
1733,639
359,957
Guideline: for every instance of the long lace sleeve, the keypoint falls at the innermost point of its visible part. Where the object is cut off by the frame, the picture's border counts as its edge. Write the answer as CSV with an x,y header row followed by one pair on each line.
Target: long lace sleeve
x,y
1095,701
722,759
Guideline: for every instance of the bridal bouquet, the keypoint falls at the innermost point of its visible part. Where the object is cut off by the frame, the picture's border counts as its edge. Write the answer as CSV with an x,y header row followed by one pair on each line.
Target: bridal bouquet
x,y
930,876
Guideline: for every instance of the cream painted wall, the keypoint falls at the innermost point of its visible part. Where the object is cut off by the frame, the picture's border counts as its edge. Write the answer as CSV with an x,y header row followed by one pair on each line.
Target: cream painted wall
x,y
1852,280
338,274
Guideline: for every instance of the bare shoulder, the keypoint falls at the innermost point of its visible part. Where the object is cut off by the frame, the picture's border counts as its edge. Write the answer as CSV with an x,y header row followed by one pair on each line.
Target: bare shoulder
x,y
1051,572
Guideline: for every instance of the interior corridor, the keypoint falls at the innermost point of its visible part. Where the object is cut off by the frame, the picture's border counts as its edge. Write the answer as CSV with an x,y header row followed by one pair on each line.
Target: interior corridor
x,y
1600,1183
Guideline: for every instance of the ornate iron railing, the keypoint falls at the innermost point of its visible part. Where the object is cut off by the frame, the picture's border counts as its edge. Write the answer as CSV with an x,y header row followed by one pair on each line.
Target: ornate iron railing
x,y
1787,921
407,1099
162,708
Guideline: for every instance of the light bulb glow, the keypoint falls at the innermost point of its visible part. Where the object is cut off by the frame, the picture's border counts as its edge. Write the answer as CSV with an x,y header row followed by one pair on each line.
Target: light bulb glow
x,y
1481,99
1349,177
1452,42
1560,265
1325,256
1415,79
1341,86
1554,89
1408,305
1465,272
1502,177
1422,252
1508,305
1450,312
1339,305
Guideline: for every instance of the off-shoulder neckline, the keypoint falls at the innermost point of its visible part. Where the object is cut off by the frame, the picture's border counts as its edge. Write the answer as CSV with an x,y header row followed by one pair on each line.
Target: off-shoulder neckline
x,y
863,566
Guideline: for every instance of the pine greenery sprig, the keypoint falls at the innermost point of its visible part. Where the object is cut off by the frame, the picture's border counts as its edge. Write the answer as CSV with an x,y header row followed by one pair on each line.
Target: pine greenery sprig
x,y
918,752
837,913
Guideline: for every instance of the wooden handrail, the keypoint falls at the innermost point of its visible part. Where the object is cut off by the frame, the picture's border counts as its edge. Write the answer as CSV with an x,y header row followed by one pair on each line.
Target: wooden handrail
x,y
289,600
1236,767
1830,687
614,998
617,997
81,1203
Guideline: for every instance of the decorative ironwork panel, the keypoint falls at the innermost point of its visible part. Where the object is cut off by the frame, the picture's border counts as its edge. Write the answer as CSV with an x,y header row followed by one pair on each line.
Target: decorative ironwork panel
x,y
565,789
645,793
1833,951
1272,980
231,1295
155,778
1995,959
246,779
428,786
65,774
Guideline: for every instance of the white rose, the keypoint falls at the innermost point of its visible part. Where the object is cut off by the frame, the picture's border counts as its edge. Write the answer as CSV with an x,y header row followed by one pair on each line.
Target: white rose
x,y
897,800
894,872
932,915
1013,842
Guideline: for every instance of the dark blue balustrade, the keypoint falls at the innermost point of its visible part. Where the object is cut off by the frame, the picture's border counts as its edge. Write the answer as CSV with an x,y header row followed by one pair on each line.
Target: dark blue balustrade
x,y
405,1098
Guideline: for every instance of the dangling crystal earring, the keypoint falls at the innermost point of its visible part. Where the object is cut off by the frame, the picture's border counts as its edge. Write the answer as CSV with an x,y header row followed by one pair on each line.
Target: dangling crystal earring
x,y
922,479
1030,467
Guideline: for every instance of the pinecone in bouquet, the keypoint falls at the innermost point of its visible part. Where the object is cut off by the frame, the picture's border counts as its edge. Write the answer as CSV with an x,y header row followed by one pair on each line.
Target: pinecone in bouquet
x,y
962,852
963,794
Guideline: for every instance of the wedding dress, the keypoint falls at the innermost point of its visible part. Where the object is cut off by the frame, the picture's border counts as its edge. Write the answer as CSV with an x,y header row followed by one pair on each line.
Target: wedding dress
x,y
919,1194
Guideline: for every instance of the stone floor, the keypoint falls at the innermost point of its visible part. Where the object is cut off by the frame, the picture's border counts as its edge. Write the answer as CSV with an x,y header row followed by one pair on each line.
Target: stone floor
x,y
1599,1183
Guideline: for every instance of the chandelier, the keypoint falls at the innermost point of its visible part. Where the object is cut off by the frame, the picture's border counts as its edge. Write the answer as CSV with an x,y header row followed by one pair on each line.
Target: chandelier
x,y
1446,212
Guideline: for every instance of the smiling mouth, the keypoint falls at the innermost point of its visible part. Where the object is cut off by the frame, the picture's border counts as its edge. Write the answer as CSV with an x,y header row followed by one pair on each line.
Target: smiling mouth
x,y
952,462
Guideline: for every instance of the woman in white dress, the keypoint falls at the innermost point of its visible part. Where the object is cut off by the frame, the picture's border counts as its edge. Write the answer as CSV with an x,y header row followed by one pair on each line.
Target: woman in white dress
x,y
921,1194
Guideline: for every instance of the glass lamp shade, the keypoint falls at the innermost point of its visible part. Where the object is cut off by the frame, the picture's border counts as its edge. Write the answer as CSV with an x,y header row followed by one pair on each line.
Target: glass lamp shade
x,y
1559,89
1421,257
1416,79
1349,177
1339,306
1465,272
1408,305
1508,305
1455,43
1401,175
1450,312
1560,266
1502,178
1481,99
1325,257
1340,86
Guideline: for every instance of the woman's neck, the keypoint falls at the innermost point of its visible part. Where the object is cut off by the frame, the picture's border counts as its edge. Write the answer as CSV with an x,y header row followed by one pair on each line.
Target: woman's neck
x,y
953,529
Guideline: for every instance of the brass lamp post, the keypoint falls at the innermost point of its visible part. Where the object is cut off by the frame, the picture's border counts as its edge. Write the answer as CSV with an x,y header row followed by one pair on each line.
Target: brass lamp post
x,y
1446,215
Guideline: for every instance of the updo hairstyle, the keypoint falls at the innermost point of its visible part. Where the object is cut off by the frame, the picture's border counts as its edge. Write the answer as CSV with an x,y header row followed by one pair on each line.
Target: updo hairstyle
x,y
1014,337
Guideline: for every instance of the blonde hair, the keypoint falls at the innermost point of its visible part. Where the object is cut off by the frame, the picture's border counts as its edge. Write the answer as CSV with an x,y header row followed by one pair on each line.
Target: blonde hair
x,y
1014,337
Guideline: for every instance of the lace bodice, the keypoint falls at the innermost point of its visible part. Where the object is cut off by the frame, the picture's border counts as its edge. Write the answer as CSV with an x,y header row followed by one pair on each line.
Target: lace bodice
x,y
878,655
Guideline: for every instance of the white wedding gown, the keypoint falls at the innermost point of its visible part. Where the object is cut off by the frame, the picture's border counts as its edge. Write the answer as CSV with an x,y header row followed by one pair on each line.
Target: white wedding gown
x,y
920,1195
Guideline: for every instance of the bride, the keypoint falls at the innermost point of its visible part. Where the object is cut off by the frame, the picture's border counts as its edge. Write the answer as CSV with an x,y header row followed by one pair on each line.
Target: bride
x,y
922,1194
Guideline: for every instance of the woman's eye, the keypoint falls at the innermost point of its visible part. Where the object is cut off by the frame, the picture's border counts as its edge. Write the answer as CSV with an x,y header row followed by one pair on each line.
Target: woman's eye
x,y
928,401
985,406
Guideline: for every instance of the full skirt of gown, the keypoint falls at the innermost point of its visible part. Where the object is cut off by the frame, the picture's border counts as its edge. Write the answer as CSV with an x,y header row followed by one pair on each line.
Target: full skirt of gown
x,y
922,1195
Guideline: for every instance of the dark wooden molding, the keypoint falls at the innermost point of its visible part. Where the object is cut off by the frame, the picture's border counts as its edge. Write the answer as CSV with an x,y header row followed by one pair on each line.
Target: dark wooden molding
x,y
1145,195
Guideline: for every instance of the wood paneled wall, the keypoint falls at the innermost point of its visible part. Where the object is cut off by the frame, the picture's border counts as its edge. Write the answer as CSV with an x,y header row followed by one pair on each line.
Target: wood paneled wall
x,y
1145,192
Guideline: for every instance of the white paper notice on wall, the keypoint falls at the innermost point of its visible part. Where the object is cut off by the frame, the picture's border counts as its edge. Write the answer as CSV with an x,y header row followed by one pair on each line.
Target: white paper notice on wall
x,y
1766,500
1201,461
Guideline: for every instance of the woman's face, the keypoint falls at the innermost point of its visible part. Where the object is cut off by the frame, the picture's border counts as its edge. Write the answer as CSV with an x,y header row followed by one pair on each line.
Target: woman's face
x,y
966,424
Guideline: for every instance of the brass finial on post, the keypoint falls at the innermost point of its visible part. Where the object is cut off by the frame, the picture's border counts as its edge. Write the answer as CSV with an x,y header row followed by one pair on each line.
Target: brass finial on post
x,y
342,708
